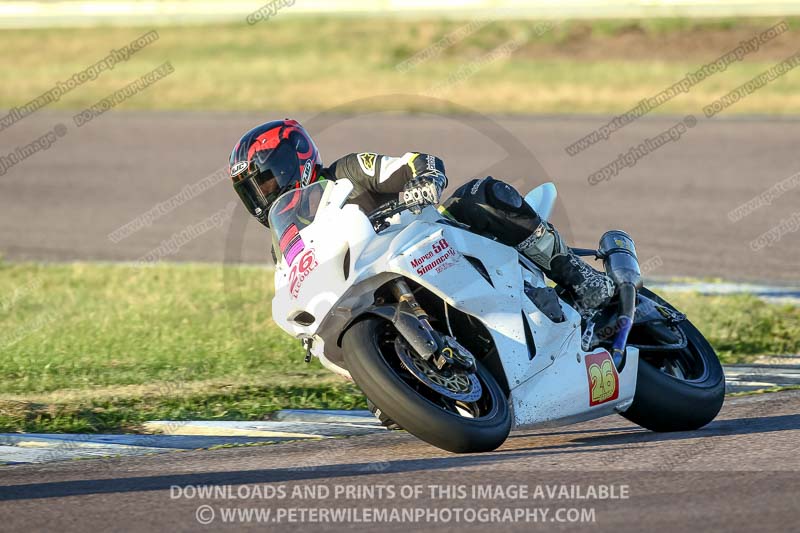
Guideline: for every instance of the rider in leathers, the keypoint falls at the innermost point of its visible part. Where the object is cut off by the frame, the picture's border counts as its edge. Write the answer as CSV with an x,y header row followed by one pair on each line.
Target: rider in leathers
x,y
280,155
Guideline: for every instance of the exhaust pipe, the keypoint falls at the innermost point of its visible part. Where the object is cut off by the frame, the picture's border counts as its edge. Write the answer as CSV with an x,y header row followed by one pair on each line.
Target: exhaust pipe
x,y
619,258
621,264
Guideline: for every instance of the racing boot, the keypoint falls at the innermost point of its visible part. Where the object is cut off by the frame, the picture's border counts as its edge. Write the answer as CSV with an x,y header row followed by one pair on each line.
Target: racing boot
x,y
545,247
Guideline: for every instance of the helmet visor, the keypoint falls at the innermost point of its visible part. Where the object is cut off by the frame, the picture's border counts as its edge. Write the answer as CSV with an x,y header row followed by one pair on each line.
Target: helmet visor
x,y
272,172
280,164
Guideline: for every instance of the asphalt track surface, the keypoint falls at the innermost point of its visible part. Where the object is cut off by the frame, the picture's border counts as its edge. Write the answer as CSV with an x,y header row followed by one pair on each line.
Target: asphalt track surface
x,y
738,474
62,203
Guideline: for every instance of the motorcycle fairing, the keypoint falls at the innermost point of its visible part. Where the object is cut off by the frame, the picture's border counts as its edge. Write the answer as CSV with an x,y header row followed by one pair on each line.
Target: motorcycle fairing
x,y
552,386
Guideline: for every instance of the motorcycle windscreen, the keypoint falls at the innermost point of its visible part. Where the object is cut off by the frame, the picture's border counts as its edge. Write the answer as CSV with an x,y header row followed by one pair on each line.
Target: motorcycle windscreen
x,y
291,212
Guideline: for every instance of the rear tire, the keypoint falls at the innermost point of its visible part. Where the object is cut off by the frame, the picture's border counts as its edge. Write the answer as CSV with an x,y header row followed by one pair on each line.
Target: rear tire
x,y
398,399
664,402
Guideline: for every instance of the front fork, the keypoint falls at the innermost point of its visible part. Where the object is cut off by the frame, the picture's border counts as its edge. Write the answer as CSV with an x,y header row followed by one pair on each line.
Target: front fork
x,y
408,303
413,323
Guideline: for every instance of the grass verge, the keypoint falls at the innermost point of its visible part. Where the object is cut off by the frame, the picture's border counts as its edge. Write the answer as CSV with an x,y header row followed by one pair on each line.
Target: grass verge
x,y
103,347
307,64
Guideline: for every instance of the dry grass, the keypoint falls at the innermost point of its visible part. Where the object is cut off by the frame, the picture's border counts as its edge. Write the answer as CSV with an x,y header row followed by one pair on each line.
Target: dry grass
x,y
307,64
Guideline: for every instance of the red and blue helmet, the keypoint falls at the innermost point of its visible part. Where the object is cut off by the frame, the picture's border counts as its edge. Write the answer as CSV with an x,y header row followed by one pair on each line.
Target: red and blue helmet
x,y
271,159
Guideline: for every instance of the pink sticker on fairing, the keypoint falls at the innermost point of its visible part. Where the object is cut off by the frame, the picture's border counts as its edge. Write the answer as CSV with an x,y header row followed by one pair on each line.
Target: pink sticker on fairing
x,y
294,250
291,244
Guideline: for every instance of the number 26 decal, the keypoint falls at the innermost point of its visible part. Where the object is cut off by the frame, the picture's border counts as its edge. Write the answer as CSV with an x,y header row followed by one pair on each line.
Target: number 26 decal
x,y
300,271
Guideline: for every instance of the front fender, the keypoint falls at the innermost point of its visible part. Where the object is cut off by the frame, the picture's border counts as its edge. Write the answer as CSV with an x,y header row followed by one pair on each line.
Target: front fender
x,y
407,324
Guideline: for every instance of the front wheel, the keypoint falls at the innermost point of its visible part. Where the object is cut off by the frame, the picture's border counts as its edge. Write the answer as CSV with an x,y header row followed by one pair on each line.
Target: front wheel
x,y
372,354
676,390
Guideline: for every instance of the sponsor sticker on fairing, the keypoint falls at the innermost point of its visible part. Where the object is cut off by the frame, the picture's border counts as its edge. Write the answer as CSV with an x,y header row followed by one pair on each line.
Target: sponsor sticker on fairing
x,y
438,258
301,270
603,378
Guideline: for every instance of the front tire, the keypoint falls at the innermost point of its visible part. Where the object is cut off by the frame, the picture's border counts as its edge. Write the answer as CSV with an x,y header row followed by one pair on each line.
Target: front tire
x,y
670,396
379,374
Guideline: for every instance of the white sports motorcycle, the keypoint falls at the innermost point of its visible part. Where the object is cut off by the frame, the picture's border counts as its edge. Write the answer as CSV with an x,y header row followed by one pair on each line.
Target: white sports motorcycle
x,y
457,338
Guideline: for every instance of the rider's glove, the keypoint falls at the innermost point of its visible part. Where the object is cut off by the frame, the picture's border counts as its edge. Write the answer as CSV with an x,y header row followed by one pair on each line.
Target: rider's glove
x,y
425,189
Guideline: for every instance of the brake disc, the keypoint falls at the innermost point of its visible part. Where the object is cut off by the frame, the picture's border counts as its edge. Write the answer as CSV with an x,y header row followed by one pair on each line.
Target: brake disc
x,y
451,383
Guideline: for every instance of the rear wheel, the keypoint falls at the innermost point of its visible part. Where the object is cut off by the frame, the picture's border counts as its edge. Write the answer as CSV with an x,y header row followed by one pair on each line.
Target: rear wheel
x,y
452,410
676,390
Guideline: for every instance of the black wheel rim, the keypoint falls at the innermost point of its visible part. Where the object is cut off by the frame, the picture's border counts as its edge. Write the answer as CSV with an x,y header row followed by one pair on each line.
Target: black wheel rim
x,y
687,364
483,407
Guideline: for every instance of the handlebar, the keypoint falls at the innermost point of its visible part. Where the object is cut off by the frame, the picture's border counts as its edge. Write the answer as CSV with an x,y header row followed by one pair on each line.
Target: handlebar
x,y
386,210
378,216
587,252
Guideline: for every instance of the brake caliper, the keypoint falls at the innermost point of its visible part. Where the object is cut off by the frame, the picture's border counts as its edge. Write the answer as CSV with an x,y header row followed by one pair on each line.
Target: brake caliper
x,y
454,354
